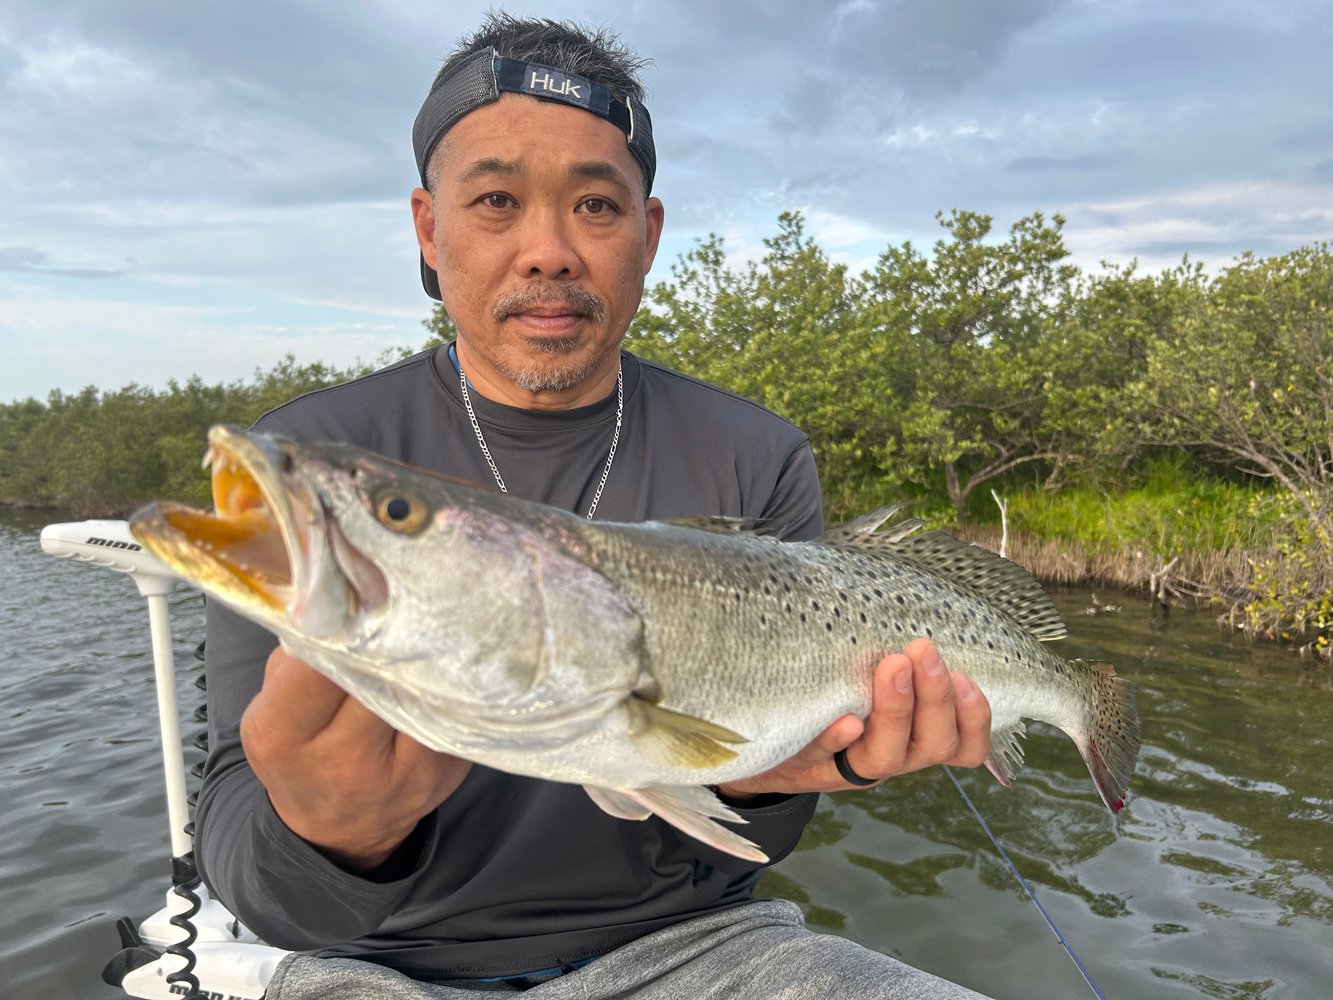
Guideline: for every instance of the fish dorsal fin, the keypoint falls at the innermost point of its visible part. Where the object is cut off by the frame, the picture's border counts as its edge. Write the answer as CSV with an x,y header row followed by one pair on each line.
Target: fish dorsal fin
x,y
717,523
864,533
674,739
1004,584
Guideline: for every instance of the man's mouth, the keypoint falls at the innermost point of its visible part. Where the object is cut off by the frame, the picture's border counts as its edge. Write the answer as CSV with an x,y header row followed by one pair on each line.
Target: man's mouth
x,y
547,312
546,303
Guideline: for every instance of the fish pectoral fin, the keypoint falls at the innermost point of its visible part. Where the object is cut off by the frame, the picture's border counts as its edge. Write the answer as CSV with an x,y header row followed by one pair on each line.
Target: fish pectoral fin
x,y
1006,753
691,809
617,803
674,739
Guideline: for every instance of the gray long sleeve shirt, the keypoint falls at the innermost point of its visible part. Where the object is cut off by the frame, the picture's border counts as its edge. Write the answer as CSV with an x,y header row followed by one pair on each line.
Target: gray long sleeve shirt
x,y
510,874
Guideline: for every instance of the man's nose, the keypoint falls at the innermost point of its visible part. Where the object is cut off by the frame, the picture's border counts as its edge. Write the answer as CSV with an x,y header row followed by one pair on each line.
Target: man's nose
x,y
546,248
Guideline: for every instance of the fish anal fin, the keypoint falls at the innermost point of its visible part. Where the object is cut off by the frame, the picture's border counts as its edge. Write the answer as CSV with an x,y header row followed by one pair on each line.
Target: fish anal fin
x,y
997,769
674,739
691,809
1006,752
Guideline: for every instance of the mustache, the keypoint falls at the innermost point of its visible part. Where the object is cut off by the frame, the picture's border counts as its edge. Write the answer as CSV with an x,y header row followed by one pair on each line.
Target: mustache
x,y
577,300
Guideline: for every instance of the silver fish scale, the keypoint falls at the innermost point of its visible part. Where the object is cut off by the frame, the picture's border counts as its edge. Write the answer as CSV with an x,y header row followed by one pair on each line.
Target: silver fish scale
x,y
804,624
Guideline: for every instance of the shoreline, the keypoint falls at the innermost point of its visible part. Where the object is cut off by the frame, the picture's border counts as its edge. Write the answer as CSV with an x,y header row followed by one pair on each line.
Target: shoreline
x,y
1192,579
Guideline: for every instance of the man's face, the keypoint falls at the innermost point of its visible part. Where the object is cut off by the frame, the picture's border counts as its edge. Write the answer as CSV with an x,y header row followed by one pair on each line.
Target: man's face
x,y
541,237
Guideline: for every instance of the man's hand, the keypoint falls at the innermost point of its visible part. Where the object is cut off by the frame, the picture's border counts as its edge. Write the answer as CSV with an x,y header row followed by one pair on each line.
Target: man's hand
x,y
337,775
921,714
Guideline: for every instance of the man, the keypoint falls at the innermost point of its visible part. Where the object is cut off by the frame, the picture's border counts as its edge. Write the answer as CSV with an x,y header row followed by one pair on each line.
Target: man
x,y
327,831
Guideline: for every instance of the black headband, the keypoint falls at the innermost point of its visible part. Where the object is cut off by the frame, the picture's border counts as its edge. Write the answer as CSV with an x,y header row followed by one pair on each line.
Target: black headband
x,y
482,77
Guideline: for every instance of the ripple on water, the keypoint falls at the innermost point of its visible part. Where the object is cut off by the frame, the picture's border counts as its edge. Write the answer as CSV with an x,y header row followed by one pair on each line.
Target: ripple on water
x,y
83,835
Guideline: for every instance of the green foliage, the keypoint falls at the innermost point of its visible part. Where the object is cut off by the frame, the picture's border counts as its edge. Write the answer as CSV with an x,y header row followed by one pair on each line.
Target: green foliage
x,y
1248,381
788,333
971,331
1248,378
1292,589
440,326
105,452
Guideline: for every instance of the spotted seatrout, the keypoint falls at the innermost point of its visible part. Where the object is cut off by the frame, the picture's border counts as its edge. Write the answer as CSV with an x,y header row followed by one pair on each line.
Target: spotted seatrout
x,y
642,661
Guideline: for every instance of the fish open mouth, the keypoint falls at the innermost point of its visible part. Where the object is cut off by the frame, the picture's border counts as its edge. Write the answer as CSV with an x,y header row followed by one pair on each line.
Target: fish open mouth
x,y
272,545
249,546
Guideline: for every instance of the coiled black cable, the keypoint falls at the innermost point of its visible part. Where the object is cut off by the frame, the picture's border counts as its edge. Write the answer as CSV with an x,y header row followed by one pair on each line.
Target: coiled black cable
x,y
184,880
185,877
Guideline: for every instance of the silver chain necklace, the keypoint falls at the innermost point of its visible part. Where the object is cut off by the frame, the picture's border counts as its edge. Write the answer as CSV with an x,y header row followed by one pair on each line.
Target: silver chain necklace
x,y
499,480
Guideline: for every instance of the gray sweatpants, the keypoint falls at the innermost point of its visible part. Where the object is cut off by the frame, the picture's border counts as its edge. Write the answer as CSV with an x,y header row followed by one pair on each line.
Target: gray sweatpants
x,y
760,951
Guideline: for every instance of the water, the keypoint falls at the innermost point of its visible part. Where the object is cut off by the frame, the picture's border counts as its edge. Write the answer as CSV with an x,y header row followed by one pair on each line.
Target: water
x,y
1216,881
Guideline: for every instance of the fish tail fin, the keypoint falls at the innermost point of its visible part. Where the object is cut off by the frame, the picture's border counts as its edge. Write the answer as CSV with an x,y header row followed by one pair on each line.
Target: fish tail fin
x,y
1113,735
692,809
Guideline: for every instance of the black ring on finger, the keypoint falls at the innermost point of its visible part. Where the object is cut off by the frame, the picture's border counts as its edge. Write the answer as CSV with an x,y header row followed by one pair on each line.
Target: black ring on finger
x,y
848,775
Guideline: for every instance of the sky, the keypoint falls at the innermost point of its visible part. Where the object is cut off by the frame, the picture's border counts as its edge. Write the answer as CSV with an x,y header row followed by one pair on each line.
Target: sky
x,y
202,187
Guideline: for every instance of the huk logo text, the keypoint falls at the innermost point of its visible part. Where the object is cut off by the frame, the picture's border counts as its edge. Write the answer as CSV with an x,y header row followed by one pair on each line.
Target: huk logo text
x,y
563,86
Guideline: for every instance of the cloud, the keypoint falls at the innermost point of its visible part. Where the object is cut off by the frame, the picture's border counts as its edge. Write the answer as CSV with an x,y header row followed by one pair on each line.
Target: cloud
x,y
1213,223
1322,171
253,158
1060,164
928,49
28,259
68,342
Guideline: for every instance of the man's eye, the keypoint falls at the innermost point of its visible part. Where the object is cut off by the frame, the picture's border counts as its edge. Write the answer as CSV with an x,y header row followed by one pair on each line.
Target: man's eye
x,y
497,200
596,206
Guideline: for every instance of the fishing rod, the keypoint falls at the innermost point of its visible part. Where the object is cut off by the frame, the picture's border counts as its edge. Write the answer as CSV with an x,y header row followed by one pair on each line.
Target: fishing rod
x,y
1026,888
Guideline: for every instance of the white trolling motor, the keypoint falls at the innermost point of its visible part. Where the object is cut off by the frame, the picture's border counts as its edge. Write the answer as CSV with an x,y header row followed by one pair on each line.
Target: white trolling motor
x,y
193,947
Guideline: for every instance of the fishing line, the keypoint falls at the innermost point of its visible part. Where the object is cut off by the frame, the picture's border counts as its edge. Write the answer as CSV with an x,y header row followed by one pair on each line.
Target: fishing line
x,y
1021,881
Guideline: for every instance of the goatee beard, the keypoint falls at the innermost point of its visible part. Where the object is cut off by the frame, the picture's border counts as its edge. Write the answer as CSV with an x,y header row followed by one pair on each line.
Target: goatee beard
x,y
557,377
538,378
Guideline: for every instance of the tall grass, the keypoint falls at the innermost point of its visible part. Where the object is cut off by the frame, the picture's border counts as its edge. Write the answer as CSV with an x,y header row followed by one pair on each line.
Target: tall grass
x,y
1179,535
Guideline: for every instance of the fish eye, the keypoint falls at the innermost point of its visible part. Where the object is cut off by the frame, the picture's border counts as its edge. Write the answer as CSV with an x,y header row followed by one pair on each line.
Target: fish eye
x,y
401,511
